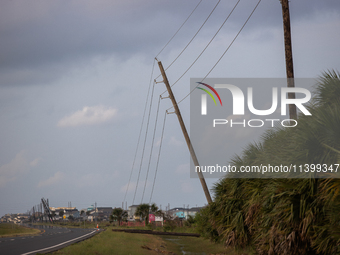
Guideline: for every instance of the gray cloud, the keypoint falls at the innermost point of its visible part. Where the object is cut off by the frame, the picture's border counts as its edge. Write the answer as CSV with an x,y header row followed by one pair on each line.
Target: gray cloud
x,y
40,40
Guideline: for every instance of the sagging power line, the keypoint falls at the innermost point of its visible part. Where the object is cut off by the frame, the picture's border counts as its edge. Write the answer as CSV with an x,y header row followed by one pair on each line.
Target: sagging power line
x,y
159,155
175,105
152,143
146,135
245,23
205,46
179,29
140,131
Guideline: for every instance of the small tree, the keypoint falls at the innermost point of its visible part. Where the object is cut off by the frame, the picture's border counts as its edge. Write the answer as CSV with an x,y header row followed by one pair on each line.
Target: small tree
x,y
119,215
61,213
190,221
143,212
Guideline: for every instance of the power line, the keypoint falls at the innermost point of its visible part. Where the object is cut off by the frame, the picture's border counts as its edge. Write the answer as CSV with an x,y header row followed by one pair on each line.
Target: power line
x,y
223,52
146,134
193,36
233,40
147,101
140,131
206,45
153,139
159,154
179,28
150,109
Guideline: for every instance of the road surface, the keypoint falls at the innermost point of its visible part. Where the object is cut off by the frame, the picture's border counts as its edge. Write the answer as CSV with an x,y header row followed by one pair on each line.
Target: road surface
x,y
51,238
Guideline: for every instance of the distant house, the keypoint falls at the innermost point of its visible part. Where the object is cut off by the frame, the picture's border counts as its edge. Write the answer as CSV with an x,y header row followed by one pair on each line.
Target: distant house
x,y
177,212
73,212
67,212
183,213
100,213
15,218
131,213
104,212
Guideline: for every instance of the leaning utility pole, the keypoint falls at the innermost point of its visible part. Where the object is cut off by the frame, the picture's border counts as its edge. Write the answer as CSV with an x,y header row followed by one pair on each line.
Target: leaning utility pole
x,y
288,55
47,209
184,130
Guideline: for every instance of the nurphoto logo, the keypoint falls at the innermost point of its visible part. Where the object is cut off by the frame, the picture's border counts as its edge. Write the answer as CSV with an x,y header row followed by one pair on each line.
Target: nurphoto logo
x,y
238,103
227,114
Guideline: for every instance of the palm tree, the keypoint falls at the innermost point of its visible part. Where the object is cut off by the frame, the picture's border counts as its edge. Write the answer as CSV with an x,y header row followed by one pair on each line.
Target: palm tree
x,y
287,215
155,210
118,214
142,211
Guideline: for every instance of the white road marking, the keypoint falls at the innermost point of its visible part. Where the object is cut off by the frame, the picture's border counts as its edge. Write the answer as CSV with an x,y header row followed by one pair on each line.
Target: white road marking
x,y
58,244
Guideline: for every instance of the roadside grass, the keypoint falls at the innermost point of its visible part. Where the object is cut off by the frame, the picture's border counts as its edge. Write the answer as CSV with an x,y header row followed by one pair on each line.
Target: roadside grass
x,y
109,242
193,245
200,246
183,229
10,229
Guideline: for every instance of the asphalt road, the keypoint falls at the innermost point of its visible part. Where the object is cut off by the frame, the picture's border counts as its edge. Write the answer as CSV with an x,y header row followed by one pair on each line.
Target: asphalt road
x,y
51,238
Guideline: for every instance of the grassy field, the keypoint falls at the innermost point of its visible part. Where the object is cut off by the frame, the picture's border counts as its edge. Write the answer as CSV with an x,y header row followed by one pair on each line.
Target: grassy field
x,y
109,242
10,229
194,245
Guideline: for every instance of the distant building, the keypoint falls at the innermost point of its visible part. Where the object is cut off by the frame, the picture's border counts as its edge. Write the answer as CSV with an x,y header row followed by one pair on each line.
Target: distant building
x,y
72,212
15,218
183,213
100,213
177,212
104,212
56,210
68,211
131,212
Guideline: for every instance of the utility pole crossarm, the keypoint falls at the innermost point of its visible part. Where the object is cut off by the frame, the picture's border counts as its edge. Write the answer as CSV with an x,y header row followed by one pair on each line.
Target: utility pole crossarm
x,y
185,133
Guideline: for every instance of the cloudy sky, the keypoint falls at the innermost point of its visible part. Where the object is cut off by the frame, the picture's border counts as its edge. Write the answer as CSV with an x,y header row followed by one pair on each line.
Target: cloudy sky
x,y
74,78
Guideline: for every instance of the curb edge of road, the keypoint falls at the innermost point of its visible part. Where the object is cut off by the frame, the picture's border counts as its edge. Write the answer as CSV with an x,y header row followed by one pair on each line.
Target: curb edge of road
x,y
77,241
67,243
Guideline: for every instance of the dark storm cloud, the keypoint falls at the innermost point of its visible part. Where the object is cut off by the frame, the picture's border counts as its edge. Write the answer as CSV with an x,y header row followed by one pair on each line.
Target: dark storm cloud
x,y
37,34
69,30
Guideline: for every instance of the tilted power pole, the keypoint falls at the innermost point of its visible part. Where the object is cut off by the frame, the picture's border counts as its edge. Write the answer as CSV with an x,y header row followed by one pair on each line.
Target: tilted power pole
x,y
288,55
47,209
185,133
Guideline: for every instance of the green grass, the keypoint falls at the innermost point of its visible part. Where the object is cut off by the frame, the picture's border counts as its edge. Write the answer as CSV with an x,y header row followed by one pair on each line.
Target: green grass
x,y
194,245
109,242
10,229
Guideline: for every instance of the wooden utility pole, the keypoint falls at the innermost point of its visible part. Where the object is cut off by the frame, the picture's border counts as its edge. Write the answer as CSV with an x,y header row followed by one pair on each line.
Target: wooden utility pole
x,y
288,55
185,133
